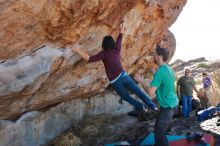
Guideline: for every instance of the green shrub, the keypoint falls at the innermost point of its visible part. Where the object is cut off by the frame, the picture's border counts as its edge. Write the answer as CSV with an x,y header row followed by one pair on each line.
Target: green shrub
x,y
203,65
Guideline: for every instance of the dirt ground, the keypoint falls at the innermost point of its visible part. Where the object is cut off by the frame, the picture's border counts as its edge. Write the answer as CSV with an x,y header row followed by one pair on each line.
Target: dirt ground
x,y
103,129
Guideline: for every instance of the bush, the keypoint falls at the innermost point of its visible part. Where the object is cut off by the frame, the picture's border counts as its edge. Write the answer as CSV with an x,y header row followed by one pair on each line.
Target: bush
x,y
203,65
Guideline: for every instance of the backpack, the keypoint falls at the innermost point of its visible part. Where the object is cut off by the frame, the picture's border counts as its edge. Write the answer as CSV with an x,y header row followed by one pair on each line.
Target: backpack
x,y
196,104
206,113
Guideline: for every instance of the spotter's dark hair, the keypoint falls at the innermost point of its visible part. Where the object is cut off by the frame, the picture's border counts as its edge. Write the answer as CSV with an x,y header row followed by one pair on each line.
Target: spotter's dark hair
x,y
162,52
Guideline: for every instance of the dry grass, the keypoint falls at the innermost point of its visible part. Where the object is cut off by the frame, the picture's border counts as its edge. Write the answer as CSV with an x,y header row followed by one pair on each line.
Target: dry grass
x,y
214,93
90,131
66,139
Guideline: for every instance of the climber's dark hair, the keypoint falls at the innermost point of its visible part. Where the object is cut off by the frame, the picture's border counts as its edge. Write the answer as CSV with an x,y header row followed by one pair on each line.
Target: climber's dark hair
x,y
162,52
108,43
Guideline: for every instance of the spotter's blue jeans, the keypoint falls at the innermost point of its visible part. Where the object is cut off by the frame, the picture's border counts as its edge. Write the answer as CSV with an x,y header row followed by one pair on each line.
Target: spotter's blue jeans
x,y
162,124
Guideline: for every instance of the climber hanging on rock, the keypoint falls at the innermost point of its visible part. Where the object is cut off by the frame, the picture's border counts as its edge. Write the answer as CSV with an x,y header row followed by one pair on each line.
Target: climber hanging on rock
x,y
118,77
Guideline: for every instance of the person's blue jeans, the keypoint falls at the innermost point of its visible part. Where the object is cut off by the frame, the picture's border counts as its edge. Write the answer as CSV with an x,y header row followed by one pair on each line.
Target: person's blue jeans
x,y
125,83
186,105
162,124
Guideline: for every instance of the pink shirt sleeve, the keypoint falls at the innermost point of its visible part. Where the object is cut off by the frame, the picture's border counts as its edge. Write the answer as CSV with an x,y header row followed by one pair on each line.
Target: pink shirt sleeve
x,y
96,57
118,42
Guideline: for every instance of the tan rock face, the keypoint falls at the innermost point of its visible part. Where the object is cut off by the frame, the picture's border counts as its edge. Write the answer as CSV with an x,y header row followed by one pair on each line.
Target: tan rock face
x,y
38,70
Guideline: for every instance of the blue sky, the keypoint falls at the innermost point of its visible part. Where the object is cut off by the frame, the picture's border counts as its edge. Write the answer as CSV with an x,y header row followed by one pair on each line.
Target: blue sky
x,y
197,31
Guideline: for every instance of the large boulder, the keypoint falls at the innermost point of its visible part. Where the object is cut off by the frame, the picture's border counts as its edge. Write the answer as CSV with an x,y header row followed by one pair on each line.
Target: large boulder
x,y
44,86
37,67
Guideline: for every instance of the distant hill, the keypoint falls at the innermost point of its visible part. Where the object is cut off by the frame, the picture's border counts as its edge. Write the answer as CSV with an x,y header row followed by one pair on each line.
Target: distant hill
x,y
197,66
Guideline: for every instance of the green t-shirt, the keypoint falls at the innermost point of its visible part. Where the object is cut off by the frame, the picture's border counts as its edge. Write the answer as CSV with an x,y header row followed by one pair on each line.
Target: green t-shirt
x,y
164,81
186,85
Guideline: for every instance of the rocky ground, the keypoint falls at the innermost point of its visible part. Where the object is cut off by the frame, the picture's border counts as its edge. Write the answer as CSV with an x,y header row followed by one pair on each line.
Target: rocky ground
x,y
99,130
